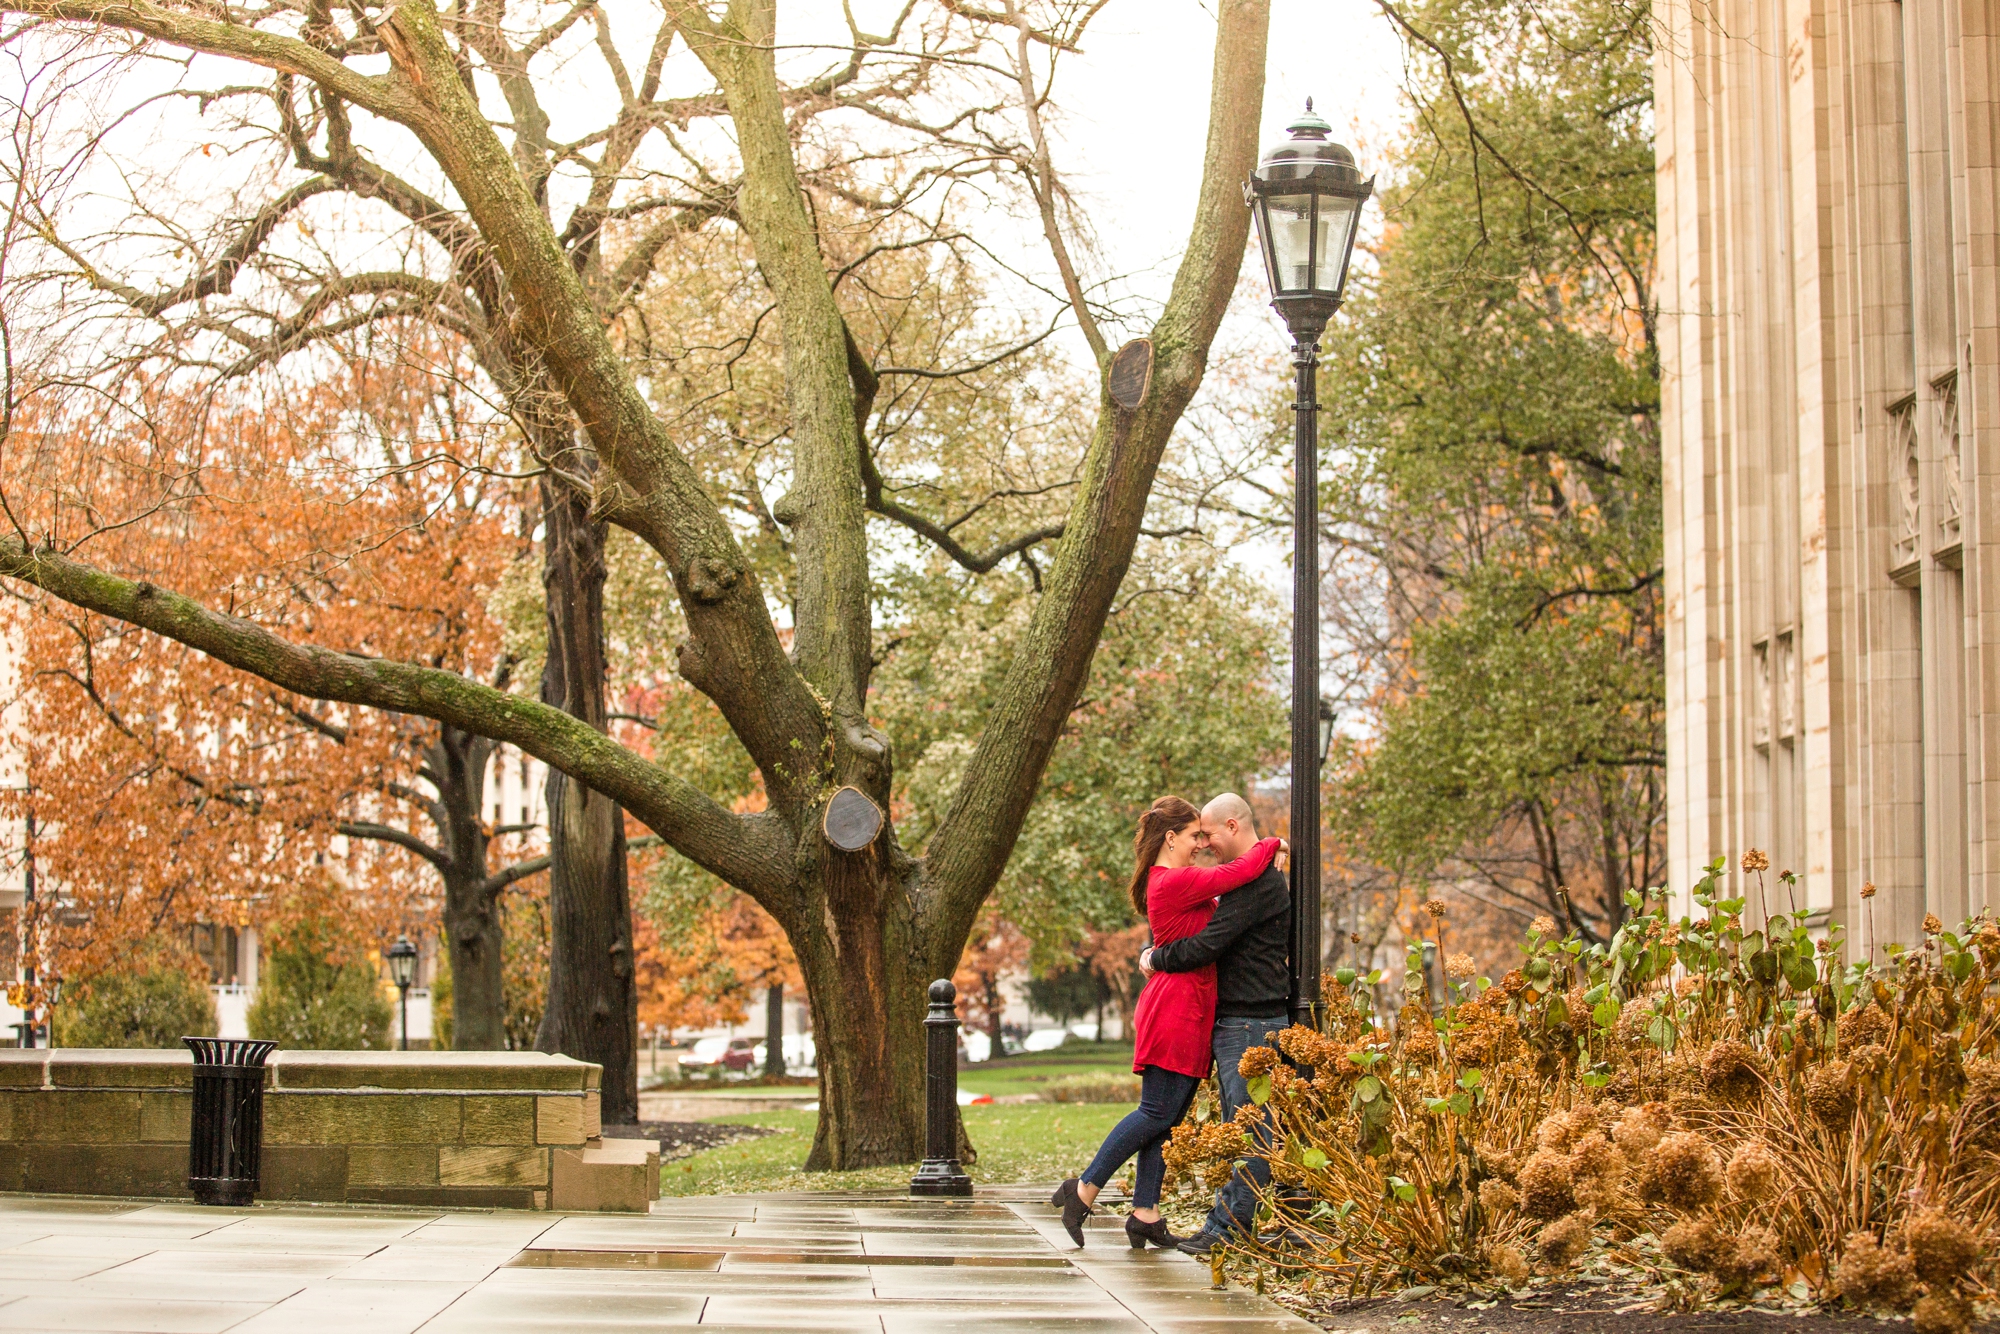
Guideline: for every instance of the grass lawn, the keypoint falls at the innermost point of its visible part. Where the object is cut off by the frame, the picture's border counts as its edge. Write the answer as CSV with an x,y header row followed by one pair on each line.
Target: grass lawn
x,y
1027,1072
1022,1142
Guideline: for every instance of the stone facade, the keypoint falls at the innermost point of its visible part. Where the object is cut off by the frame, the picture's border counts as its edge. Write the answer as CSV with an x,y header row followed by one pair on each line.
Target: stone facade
x,y
1830,335
513,1130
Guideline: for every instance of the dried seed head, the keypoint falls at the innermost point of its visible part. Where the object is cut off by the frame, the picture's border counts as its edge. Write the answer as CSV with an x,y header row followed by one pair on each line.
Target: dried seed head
x,y
1830,1093
1354,937
1547,1189
1543,925
1871,1274
1497,1197
1868,889
1733,1071
1565,1239
1598,1159
1695,1244
1435,907
1257,1061
1979,1113
1942,1249
1864,1027
1420,1039
1756,860
1687,986
1500,1162
1942,1313
1931,924
1510,1266
1753,1173
1638,1130
1685,1171
1459,967
1753,1252
1514,983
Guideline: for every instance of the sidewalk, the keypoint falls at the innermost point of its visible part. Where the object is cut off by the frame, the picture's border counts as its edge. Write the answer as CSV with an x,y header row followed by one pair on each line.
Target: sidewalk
x,y
780,1263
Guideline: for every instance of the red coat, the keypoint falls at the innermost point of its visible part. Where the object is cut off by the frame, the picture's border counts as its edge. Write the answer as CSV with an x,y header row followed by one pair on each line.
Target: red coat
x,y
1176,1014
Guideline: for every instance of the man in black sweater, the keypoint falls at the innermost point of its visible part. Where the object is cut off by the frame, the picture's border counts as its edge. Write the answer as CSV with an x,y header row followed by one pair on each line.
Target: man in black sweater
x,y
1249,942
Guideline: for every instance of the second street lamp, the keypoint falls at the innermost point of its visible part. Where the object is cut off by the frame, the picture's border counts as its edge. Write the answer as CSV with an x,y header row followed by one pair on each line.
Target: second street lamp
x,y
1306,197
403,971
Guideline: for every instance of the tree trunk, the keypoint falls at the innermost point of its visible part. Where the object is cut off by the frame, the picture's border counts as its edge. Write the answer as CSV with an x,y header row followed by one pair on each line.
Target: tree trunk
x,y
592,1012
473,935
456,762
774,1031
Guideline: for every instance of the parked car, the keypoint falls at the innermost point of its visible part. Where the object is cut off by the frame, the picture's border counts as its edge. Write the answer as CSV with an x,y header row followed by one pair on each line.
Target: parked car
x,y
739,1055
705,1052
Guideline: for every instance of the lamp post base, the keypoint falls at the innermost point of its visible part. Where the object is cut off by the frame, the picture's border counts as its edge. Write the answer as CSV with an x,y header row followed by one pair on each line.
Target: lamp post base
x,y
941,1177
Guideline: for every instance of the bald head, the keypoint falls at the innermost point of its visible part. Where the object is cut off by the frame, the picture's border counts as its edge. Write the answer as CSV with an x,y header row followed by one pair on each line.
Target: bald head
x,y
1230,827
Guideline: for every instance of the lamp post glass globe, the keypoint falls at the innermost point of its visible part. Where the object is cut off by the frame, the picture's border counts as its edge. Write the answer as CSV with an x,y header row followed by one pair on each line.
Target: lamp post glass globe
x,y
1306,198
402,958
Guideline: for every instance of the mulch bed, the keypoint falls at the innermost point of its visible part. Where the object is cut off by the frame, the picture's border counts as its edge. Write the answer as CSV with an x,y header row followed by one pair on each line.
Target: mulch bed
x,y
678,1139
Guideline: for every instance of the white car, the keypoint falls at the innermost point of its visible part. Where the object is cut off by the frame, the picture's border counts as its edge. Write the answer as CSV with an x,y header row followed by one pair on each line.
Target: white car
x,y
705,1052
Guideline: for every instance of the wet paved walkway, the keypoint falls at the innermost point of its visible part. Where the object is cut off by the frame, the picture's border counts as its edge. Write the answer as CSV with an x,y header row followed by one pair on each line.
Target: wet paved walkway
x,y
743,1263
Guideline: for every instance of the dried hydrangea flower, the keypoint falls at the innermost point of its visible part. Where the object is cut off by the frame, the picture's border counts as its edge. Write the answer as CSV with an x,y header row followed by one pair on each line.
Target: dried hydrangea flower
x,y
1685,1171
1459,967
1868,889
1753,1173
1942,1249
1871,1274
1435,907
1931,924
1543,925
1563,1240
1756,860
1547,1188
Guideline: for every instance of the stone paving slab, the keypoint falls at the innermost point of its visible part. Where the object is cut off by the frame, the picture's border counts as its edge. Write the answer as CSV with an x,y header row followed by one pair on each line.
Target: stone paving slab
x,y
794,1263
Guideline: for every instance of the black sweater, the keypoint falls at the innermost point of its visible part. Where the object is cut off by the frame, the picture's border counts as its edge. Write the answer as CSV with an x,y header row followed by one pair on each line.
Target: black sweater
x,y
1249,940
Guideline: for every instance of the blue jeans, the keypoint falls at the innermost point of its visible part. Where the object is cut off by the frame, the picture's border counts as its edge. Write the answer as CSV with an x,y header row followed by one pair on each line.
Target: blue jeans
x,y
1164,1096
1236,1203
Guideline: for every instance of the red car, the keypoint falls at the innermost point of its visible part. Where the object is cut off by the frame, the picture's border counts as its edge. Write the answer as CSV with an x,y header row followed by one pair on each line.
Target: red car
x,y
740,1055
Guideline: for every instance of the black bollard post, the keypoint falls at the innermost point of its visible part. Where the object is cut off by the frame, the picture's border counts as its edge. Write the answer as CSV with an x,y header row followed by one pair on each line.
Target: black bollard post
x,y
941,1173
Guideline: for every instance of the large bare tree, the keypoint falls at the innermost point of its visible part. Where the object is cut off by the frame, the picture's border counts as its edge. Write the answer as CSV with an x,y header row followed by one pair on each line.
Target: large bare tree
x,y
535,296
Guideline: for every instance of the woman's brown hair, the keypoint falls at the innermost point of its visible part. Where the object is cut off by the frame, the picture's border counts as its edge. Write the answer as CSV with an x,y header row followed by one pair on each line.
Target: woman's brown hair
x,y
1168,815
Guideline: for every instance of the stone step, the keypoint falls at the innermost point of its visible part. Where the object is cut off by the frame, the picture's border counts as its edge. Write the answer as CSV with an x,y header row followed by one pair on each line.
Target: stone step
x,y
606,1176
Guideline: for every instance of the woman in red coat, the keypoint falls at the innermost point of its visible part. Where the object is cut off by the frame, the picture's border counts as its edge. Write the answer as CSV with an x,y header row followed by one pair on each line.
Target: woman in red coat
x,y
1175,1018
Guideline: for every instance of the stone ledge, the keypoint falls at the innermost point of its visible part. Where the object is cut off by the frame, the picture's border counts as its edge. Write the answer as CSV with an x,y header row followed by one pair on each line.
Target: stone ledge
x,y
476,1129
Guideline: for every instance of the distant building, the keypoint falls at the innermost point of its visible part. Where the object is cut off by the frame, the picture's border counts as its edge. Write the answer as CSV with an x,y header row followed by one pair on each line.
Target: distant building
x,y
1830,331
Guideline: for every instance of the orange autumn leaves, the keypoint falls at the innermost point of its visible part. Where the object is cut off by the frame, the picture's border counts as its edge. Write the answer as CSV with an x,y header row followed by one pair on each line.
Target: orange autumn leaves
x,y
167,789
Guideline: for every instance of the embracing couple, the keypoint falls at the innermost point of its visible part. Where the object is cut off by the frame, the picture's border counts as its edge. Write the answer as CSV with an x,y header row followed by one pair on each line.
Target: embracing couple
x,y
1219,981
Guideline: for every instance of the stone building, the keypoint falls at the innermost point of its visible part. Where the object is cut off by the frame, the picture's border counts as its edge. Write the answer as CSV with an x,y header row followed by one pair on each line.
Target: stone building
x,y
1829,295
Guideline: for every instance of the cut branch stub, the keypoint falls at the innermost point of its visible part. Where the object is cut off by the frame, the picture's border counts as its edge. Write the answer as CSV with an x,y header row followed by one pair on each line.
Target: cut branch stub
x,y
1131,373
852,820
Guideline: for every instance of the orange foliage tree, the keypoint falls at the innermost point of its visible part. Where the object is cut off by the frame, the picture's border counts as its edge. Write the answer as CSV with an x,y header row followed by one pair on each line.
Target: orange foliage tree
x,y
163,788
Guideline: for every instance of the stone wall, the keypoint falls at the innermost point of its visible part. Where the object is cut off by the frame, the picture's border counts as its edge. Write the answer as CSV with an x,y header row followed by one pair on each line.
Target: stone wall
x,y
513,1130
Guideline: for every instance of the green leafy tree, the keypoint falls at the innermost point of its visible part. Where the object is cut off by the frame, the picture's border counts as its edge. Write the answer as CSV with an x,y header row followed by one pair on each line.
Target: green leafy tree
x,y
1494,490
307,1001
161,998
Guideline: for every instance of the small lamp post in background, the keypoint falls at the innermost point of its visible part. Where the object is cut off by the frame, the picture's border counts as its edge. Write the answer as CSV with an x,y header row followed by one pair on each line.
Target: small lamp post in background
x,y
402,958
1306,196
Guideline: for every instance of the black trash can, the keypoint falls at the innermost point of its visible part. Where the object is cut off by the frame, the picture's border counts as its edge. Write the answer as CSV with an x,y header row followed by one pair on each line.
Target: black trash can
x,y
226,1135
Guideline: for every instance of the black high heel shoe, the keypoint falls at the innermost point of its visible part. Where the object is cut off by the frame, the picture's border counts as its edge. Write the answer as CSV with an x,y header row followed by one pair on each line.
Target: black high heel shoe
x,y
1156,1232
1074,1210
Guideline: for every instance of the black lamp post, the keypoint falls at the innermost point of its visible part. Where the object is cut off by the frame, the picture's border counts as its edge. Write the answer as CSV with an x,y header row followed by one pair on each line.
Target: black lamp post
x,y
1306,196
403,971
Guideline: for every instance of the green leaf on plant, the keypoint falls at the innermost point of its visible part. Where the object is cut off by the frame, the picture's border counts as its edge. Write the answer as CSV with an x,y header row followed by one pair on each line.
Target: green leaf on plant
x,y
1471,1079
1369,1089
1260,1089
1313,1160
